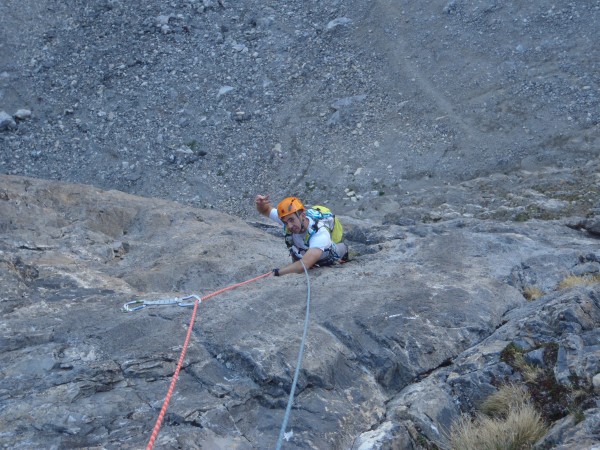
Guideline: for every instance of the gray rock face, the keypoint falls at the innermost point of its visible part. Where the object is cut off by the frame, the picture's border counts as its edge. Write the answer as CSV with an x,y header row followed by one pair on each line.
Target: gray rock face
x,y
402,339
457,141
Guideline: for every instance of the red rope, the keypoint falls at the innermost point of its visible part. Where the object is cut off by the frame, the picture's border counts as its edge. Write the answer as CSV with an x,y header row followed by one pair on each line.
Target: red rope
x,y
165,405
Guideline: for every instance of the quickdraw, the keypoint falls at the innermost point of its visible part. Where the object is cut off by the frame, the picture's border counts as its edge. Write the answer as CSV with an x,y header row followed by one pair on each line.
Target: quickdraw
x,y
179,301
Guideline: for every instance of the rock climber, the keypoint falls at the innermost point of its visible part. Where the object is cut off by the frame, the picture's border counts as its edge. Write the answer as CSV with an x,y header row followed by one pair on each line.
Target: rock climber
x,y
307,240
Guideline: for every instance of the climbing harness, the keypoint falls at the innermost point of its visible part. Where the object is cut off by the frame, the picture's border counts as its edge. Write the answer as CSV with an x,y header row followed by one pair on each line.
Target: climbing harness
x,y
136,305
298,363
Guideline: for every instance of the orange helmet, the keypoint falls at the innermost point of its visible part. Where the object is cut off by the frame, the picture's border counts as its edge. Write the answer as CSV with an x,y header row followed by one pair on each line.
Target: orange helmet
x,y
289,206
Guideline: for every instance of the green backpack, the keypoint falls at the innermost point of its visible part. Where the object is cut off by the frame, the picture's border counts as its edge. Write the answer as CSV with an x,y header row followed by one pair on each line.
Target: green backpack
x,y
322,214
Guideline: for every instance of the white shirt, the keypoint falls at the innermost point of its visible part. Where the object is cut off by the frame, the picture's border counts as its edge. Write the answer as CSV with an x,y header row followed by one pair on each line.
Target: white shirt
x,y
321,239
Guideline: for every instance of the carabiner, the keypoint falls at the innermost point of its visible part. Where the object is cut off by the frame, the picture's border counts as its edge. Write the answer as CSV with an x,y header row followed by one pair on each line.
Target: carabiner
x,y
127,308
183,303
179,301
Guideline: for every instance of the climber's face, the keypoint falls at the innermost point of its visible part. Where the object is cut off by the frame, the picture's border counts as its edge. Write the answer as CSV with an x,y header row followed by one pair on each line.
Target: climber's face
x,y
295,222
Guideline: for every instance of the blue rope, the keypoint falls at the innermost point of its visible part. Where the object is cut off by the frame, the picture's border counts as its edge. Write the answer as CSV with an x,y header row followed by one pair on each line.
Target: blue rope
x,y
298,363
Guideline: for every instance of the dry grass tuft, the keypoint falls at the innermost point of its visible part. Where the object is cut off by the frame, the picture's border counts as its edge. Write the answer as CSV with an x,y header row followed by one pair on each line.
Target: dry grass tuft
x,y
579,280
520,429
532,293
531,373
514,356
505,399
